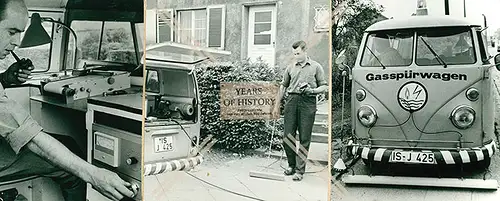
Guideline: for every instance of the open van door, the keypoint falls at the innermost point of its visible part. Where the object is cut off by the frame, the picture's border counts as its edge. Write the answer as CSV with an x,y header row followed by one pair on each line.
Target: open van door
x,y
172,127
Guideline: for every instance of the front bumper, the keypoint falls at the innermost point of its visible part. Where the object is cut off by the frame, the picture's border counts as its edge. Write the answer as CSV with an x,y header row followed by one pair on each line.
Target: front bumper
x,y
445,157
173,165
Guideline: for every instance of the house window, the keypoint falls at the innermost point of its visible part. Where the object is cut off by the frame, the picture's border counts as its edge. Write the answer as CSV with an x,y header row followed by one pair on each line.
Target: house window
x,y
192,28
204,27
164,25
321,19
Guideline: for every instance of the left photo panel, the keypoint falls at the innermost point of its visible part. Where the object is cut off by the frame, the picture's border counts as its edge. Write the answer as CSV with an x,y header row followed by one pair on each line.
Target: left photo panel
x,y
71,99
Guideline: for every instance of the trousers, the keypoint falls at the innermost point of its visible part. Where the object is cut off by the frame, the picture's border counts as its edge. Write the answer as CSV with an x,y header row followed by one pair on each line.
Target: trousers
x,y
299,115
27,164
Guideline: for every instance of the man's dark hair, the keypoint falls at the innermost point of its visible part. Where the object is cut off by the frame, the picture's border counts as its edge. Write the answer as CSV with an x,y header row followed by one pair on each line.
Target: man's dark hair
x,y
3,6
300,44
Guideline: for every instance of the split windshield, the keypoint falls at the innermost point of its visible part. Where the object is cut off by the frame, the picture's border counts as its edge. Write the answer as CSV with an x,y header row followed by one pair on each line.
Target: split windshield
x,y
437,46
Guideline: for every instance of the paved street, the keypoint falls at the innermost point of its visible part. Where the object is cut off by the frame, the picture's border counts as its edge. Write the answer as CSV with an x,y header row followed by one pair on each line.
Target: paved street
x,y
232,173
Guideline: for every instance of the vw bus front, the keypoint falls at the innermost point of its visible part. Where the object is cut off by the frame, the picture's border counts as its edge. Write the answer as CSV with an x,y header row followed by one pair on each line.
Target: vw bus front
x,y
422,94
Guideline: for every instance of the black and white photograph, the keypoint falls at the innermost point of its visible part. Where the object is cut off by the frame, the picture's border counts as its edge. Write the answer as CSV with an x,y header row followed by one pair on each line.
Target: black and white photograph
x,y
71,100
237,101
415,87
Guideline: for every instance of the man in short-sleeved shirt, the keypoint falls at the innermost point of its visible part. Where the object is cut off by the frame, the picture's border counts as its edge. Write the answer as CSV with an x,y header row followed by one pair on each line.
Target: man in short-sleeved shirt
x,y
302,81
25,150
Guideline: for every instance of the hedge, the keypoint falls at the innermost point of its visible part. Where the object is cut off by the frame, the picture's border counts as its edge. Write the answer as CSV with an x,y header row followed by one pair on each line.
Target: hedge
x,y
235,135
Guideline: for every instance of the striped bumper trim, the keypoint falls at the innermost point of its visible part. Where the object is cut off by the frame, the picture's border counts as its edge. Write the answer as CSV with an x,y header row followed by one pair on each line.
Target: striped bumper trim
x,y
175,165
442,157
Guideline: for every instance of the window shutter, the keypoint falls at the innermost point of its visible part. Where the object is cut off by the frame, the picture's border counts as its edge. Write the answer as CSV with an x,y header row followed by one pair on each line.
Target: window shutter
x,y
216,26
165,30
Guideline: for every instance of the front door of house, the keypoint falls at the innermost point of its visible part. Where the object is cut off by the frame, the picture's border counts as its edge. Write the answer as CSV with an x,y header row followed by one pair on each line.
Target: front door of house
x,y
262,33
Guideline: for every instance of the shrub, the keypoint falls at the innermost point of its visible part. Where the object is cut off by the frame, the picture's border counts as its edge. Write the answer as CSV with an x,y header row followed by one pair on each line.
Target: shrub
x,y
337,79
234,135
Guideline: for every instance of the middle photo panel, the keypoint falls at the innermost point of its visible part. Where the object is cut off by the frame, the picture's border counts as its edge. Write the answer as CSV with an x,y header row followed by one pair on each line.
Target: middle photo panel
x,y
236,100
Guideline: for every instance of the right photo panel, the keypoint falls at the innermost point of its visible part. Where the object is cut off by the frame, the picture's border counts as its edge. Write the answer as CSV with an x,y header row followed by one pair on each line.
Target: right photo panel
x,y
415,88
236,100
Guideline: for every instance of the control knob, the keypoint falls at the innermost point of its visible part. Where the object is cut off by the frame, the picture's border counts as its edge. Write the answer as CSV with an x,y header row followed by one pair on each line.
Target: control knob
x,y
131,161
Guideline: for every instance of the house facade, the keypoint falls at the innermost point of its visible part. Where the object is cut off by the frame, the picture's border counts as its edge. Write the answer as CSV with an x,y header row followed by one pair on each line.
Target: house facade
x,y
247,28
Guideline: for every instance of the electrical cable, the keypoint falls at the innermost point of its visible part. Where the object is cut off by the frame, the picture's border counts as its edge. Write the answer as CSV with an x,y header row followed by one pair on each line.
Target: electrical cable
x,y
185,132
282,167
414,124
434,133
396,125
282,153
224,189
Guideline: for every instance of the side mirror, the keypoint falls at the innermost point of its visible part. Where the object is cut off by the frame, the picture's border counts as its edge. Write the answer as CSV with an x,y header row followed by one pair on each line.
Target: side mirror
x,y
339,61
497,61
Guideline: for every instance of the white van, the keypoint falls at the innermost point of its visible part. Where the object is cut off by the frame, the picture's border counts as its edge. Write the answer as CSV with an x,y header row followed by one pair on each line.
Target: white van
x,y
422,93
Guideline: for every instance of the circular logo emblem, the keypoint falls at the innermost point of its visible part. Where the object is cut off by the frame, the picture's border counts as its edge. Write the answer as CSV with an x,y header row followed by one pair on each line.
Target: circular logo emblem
x,y
412,96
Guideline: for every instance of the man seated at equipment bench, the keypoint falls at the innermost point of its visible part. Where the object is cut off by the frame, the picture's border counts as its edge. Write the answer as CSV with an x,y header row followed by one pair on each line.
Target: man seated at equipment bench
x,y
25,150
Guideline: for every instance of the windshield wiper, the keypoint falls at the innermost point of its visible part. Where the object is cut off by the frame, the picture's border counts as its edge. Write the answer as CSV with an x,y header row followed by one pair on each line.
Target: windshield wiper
x,y
441,61
383,67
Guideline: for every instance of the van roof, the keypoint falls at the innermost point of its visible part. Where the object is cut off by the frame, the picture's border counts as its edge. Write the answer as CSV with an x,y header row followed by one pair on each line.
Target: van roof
x,y
420,22
180,54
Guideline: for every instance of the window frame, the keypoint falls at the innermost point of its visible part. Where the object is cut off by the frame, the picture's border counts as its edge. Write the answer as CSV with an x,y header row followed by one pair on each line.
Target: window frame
x,y
148,71
317,18
174,37
365,49
448,64
133,35
193,26
415,47
170,23
483,51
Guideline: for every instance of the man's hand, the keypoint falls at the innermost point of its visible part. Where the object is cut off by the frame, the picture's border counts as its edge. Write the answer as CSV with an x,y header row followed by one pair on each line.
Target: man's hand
x,y
105,181
308,91
17,73
110,184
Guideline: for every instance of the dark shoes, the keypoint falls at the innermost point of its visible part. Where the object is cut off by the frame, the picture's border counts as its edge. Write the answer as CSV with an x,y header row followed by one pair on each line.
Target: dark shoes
x,y
297,177
289,171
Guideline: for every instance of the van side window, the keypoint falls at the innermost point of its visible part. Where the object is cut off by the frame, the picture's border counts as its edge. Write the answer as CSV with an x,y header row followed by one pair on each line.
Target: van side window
x,y
481,38
152,82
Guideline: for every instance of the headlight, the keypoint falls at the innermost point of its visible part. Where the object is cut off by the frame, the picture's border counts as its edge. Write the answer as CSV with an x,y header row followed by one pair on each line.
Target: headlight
x,y
367,116
463,117
472,94
360,95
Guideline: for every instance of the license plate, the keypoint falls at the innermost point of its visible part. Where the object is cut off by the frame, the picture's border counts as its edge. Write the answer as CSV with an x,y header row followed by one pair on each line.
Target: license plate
x,y
163,144
412,157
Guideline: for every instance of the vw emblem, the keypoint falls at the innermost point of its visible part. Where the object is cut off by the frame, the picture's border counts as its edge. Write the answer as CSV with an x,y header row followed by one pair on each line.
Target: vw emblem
x,y
412,96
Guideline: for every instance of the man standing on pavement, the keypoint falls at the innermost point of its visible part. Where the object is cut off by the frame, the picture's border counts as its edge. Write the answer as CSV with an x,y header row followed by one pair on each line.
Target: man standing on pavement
x,y
302,81
25,150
